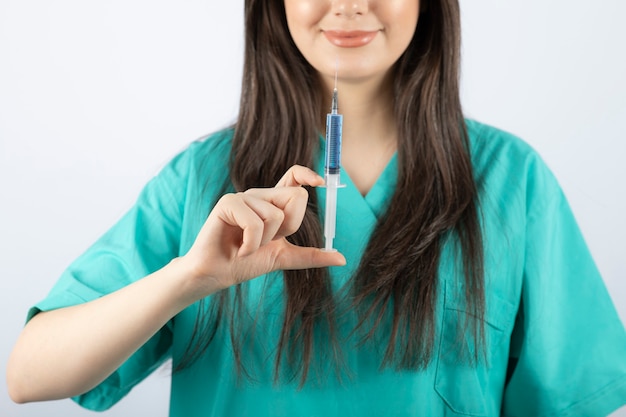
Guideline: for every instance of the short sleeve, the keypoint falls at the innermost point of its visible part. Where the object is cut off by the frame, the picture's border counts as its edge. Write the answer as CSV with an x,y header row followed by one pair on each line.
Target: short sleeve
x,y
569,346
145,239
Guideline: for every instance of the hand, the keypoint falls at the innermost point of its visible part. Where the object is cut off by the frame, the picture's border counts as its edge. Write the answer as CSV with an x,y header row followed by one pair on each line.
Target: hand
x,y
244,236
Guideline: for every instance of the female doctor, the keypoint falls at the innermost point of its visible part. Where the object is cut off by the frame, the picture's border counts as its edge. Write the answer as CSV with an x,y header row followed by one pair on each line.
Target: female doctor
x,y
461,285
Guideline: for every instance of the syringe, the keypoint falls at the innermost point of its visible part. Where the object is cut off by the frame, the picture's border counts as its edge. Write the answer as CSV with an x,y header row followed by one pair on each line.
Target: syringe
x,y
334,123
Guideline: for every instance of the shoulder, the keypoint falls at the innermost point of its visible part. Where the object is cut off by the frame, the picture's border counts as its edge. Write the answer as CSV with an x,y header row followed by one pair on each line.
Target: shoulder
x,y
210,149
504,162
489,144
202,166
205,158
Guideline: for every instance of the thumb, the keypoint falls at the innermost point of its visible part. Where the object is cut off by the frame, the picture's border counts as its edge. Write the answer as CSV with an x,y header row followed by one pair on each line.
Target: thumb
x,y
297,257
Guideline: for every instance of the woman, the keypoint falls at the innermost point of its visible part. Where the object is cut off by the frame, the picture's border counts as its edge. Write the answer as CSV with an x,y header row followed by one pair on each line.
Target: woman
x,y
461,285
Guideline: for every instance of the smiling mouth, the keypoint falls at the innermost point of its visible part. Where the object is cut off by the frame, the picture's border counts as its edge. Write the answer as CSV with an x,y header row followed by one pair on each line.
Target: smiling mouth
x,y
350,39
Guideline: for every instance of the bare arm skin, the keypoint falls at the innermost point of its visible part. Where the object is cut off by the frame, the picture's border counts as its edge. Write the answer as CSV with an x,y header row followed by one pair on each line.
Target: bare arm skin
x,y
66,352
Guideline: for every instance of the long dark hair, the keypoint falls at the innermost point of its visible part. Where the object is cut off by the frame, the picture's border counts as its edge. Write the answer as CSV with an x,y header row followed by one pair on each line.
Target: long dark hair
x,y
436,196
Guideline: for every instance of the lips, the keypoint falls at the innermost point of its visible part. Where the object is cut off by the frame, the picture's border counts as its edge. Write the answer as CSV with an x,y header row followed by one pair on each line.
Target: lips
x,y
350,39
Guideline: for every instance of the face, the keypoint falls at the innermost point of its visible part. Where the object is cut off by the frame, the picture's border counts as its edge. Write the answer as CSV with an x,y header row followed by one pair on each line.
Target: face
x,y
363,38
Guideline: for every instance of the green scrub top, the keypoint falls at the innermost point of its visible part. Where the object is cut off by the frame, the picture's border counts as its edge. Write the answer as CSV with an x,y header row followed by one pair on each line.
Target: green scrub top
x,y
555,345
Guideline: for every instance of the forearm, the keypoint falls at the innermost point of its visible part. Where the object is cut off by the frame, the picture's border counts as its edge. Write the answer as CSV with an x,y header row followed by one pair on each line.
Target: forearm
x,y
65,352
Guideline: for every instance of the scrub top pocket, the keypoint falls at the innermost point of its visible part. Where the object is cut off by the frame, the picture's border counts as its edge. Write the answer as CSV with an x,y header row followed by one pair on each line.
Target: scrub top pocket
x,y
465,382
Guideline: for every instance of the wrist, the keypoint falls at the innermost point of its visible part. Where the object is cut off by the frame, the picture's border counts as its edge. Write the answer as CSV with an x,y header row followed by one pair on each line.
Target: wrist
x,y
190,285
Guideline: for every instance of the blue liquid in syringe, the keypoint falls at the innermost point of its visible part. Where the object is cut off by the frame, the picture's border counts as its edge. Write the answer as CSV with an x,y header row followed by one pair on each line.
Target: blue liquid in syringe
x,y
334,123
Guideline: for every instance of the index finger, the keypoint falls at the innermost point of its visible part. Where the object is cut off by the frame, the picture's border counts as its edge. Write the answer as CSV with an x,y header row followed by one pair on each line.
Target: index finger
x,y
300,175
291,200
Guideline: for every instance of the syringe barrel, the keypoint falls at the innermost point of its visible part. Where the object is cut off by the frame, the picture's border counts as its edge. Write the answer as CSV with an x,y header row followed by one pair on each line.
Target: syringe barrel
x,y
334,124
330,221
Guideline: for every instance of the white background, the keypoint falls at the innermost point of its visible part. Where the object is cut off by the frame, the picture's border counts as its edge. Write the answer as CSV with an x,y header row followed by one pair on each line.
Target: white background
x,y
96,96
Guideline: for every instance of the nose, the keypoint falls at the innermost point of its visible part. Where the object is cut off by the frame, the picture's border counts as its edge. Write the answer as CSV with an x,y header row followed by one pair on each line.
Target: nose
x,y
350,8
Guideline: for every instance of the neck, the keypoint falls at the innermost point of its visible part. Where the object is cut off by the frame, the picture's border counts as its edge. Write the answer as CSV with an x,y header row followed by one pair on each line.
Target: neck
x,y
367,107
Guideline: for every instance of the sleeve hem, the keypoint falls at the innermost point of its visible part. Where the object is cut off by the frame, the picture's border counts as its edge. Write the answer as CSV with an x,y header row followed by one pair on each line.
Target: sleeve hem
x,y
60,300
601,403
